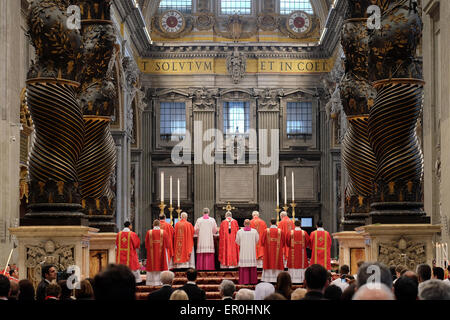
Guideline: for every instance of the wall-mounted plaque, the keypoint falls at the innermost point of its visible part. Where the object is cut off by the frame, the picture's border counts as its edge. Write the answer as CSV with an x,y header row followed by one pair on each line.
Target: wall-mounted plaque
x,y
236,183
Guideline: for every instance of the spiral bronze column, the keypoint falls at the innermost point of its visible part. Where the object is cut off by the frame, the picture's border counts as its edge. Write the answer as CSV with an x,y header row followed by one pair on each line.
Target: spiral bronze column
x,y
98,159
357,96
59,128
95,165
397,76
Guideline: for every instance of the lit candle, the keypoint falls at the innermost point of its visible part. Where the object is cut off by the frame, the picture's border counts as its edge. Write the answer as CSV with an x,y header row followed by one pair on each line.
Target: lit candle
x,y
292,186
170,196
178,182
285,191
162,187
278,193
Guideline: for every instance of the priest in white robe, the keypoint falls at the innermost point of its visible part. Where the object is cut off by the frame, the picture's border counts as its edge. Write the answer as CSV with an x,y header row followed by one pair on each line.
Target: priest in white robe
x,y
247,238
205,228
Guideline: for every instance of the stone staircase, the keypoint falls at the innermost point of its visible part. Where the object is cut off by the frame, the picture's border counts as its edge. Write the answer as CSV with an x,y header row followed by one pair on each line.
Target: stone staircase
x,y
206,280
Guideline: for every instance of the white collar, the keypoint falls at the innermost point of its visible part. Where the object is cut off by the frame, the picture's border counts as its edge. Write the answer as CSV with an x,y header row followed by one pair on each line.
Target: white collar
x,y
226,297
167,285
298,228
273,226
191,282
126,230
156,228
320,229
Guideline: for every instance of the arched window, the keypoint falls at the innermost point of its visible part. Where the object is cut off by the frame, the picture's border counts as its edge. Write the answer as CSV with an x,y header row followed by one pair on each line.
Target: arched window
x,y
184,6
235,6
287,6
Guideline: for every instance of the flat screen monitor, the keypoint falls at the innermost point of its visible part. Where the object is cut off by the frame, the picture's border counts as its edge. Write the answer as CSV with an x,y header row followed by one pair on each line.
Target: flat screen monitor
x,y
307,222
175,220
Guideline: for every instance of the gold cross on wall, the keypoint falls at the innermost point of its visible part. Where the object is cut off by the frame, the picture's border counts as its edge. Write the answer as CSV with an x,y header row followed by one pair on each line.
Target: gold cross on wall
x,y
228,207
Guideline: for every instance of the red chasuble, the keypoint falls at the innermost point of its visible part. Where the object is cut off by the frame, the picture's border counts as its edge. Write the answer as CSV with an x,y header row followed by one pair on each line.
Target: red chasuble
x,y
260,226
273,241
126,244
286,225
228,249
167,227
297,242
183,242
321,248
156,242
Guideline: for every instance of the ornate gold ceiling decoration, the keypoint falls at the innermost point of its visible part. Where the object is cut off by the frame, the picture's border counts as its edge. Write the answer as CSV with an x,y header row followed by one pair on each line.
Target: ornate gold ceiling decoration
x,y
172,24
298,25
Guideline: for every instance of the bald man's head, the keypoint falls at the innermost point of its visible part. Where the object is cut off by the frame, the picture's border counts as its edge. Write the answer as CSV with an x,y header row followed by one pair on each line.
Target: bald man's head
x,y
247,223
374,291
283,214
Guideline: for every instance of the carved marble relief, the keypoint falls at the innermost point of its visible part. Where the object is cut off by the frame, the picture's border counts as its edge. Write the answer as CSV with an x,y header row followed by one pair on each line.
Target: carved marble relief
x,y
49,252
204,99
269,99
402,252
236,65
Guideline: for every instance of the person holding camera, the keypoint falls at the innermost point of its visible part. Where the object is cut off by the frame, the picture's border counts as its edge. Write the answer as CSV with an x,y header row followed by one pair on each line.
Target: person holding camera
x,y
343,281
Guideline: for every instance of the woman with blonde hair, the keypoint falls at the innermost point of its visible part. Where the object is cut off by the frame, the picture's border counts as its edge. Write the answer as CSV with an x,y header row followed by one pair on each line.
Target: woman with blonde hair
x,y
179,295
298,294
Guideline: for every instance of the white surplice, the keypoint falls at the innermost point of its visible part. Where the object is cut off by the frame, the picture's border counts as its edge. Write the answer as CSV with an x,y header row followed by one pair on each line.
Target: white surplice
x,y
247,241
205,229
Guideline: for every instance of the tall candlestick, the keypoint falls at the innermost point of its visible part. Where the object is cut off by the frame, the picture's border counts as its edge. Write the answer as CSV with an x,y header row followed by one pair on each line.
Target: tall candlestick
x,y
278,194
438,254
285,191
162,187
293,198
178,192
445,255
170,196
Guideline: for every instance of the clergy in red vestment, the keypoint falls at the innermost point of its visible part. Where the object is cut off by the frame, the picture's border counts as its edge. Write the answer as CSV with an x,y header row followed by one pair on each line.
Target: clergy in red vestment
x,y
184,244
273,241
127,243
260,225
297,242
228,249
156,242
320,247
167,227
286,225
